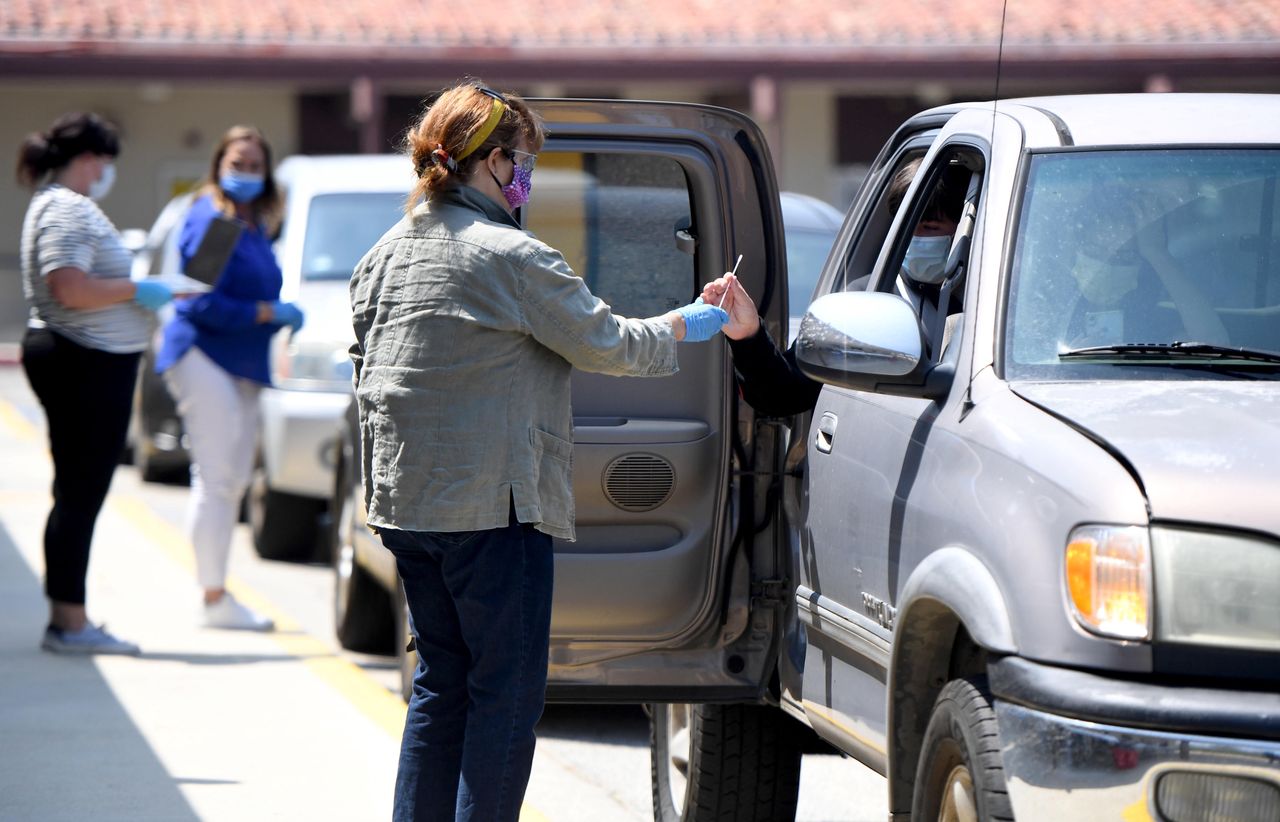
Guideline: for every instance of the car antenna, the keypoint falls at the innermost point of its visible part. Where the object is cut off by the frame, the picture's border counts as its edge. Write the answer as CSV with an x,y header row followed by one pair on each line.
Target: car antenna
x,y
967,403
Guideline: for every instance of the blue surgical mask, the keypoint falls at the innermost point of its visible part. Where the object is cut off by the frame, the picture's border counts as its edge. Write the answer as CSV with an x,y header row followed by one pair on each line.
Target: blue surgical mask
x,y
241,187
926,260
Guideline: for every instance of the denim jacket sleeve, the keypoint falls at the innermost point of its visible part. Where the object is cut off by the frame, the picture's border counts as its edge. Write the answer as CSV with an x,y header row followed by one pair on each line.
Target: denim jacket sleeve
x,y
559,312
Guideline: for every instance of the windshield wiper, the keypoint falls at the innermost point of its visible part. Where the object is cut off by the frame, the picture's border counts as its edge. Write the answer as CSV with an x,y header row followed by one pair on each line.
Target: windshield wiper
x,y
1197,353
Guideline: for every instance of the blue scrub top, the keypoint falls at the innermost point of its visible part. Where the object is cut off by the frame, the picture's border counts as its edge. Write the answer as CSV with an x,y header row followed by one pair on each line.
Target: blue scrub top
x,y
223,323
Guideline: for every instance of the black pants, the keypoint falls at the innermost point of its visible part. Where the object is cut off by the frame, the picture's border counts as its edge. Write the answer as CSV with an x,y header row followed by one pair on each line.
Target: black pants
x,y
87,396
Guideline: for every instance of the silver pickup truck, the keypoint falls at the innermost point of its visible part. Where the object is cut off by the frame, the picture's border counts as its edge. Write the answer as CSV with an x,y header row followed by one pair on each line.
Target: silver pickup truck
x,y
1023,558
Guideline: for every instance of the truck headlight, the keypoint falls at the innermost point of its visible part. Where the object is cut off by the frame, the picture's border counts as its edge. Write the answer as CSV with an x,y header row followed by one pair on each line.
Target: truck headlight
x,y
1216,589
1108,577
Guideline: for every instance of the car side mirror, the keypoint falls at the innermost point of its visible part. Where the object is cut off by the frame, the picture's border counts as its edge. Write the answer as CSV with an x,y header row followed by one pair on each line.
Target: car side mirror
x,y
869,341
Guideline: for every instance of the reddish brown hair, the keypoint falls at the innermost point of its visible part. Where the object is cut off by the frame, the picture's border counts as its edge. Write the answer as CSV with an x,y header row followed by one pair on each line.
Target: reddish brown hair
x,y
442,134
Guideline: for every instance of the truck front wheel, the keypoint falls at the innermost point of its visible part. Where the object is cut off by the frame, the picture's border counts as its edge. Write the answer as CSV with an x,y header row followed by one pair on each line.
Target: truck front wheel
x,y
723,762
960,777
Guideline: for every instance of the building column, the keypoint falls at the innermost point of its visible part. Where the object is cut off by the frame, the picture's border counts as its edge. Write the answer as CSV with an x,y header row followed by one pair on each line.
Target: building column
x,y
766,110
366,111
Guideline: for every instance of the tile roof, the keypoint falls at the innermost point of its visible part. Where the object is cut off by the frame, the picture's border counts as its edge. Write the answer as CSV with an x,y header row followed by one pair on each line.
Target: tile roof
x,y
712,27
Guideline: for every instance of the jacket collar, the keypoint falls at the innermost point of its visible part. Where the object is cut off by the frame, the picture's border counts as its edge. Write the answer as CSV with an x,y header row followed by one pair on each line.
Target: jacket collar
x,y
464,196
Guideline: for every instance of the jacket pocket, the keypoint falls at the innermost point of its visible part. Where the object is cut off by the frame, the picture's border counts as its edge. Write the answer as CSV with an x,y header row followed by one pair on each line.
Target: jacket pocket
x,y
553,462
551,445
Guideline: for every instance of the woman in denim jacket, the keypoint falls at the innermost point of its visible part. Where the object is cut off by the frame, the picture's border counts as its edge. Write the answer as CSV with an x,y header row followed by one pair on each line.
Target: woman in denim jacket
x,y
466,331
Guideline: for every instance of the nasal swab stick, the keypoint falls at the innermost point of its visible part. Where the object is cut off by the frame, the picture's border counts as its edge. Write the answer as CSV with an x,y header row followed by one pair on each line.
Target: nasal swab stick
x,y
734,272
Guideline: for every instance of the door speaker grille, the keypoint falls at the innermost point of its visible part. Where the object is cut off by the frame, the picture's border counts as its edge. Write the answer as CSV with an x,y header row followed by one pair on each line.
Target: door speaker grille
x,y
639,482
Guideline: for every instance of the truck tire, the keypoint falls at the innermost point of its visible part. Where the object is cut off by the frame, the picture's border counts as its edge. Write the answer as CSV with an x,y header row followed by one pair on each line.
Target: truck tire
x,y
363,611
284,526
960,776
722,763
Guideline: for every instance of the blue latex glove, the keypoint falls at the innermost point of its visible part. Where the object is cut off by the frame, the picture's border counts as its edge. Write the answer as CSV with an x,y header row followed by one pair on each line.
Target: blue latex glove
x,y
701,321
287,314
151,294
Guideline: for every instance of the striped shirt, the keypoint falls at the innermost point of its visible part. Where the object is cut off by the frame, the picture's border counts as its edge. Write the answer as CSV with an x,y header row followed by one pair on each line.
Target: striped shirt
x,y
64,229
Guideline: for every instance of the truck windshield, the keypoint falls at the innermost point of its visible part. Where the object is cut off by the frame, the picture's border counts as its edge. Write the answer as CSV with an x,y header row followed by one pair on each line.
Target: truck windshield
x,y
1122,248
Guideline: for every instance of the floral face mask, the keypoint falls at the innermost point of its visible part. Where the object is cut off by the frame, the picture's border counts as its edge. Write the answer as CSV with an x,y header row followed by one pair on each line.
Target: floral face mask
x,y
517,191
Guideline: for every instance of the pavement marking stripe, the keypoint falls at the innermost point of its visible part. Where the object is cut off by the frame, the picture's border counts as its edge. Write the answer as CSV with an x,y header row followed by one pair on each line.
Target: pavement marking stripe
x,y
373,700
16,425
369,697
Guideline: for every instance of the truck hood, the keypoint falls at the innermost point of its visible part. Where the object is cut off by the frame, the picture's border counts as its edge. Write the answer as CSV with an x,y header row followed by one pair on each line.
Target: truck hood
x,y
1206,452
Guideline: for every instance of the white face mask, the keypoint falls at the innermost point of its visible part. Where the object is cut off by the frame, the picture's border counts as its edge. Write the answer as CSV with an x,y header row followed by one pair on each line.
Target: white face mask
x,y
102,186
926,260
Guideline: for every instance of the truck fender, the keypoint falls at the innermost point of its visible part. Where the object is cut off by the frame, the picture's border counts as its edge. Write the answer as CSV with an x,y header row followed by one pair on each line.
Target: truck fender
x,y
951,589
958,579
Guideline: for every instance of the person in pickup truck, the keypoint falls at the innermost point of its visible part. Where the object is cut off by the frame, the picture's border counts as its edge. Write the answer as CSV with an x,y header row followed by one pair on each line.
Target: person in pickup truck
x,y
1122,272
772,383
467,328
213,355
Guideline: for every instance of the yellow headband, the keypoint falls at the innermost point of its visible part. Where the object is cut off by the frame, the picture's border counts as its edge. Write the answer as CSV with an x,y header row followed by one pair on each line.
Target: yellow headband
x,y
495,115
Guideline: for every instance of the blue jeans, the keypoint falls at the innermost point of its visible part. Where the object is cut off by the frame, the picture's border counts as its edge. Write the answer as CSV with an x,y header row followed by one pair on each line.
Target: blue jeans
x,y
480,610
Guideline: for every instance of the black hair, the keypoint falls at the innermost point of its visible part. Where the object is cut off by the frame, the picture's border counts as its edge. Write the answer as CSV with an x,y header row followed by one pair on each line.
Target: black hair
x,y
947,197
70,136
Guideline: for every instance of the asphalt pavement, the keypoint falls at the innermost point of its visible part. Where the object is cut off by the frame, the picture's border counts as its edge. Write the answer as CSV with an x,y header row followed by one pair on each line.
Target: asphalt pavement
x,y
220,725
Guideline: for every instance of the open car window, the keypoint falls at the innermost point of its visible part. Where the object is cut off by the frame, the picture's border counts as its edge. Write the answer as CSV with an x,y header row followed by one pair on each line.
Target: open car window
x,y
929,258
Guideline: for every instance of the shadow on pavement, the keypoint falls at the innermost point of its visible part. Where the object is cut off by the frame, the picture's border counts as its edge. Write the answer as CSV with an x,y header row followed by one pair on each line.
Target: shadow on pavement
x,y
68,749
615,724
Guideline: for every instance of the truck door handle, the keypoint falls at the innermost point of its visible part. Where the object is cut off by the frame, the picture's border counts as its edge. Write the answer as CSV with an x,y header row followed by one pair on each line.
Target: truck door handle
x,y
826,432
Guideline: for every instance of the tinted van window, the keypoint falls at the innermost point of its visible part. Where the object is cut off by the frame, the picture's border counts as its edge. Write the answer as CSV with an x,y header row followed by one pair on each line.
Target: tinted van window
x,y
341,228
614,218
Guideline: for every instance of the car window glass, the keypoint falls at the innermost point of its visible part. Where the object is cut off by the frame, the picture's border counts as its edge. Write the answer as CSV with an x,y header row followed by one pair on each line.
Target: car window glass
x,y
1144,246
342,227
614,216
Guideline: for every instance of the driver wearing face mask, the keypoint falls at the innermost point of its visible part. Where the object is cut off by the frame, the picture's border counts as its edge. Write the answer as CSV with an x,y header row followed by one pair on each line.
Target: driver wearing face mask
x,y
924,266
770,379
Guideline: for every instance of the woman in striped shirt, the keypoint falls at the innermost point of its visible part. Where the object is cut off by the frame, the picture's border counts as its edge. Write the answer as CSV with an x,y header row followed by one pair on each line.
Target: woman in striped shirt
x,y
88,324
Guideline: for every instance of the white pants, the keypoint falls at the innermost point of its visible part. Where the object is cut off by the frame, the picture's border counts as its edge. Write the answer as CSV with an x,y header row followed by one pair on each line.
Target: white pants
x,y
220,414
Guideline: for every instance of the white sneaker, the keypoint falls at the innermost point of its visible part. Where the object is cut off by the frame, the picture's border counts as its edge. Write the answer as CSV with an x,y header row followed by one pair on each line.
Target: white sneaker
x,y
229,614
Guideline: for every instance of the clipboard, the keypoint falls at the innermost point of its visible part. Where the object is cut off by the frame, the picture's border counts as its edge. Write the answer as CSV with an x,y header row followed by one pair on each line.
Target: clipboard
x,y
215,250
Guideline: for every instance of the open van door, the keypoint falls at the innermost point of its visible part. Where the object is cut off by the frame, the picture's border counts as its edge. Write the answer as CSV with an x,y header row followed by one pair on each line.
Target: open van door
x,y
665,595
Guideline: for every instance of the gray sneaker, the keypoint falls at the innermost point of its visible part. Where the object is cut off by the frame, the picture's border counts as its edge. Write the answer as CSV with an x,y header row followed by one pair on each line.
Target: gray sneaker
x,y
91,639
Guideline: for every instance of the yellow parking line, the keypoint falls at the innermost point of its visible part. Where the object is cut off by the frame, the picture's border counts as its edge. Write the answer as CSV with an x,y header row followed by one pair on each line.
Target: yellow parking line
x,y
1137,812
14,424
370,698
373,700
528,814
